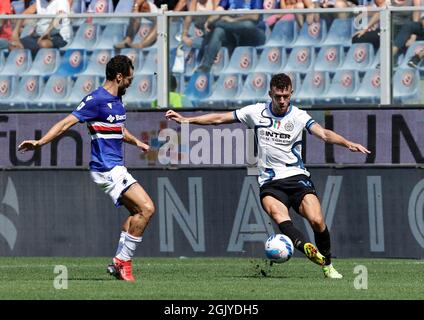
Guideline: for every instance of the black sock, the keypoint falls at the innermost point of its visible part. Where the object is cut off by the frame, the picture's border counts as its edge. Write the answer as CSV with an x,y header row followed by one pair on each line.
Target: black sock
x,y
295,235
322,240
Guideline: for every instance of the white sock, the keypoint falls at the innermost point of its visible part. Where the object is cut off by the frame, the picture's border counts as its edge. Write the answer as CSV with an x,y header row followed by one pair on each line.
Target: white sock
x,y
121,242
126,251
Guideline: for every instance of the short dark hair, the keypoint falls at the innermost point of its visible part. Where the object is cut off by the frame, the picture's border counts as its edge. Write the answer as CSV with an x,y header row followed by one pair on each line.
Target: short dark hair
x,y
118,64
280,81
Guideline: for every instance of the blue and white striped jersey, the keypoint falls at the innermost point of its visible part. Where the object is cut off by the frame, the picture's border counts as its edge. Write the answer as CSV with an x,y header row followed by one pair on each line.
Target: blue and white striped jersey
x,y
105,117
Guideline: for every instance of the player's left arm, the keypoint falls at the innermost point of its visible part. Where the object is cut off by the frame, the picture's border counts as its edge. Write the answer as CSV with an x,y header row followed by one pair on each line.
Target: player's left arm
x,y
334,138
131,139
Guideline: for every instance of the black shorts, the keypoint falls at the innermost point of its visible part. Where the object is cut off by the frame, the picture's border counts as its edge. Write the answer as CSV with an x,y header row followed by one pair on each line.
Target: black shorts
x,y
290,191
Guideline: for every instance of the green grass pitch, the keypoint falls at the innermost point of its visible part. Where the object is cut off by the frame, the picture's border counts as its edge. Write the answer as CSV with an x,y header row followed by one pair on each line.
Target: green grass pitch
x,y
210,279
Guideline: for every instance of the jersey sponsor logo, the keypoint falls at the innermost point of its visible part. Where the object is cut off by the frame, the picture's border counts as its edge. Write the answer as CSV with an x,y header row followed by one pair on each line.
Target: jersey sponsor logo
x,y
110,118
289,126
277,135
116,117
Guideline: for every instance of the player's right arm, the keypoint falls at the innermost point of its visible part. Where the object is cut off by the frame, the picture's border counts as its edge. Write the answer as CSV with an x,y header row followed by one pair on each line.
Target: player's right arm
x,y
54,132
210,118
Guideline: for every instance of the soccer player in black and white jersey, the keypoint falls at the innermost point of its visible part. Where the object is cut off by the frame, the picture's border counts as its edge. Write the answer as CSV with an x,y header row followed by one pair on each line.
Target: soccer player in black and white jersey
x,y
284,181
105,115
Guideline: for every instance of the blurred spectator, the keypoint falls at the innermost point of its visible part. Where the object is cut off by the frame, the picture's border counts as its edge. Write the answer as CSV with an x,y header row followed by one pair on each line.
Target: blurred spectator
x,y
370,33
329,17
231,32
289,4
5,25
175,5
176,99
199,21
48,33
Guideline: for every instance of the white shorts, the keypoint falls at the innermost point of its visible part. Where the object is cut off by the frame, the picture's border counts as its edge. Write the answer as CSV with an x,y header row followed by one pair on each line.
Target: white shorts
x,y
114,182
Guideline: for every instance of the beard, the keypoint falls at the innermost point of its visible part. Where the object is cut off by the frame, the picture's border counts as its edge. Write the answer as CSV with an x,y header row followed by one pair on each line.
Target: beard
x,y
121,91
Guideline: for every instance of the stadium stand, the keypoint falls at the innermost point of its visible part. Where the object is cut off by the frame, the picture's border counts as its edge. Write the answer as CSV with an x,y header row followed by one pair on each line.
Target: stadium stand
x,y
243,60
17,63
405,85
142,92
255,89
271,60
45,63
314,85
226,89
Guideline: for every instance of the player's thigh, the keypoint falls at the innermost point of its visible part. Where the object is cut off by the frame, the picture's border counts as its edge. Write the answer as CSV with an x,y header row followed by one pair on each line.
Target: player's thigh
x,y
136,200
275,209
310,209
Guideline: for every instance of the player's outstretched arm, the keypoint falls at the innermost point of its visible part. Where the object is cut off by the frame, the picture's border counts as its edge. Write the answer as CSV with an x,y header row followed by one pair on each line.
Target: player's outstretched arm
x,y
210,118
54,132
129,138
334,138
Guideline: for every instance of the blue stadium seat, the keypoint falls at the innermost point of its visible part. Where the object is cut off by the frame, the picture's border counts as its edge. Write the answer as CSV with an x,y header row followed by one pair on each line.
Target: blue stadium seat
x,y
199,87
343,85
283,34
255,89
150,61
226,89
221,61
74,61
190,61
406,85
142,91
85,38
8,89
84,85
136,56
146,27
175,29
97,63
314,85
101,6
18,62
368,90
123,6
340,32
359,57
416,47
29,89
312,34
272,60
301,59
46,62
54,92
77,6
111,34
329,58
3,54
295,78
243,60
376,60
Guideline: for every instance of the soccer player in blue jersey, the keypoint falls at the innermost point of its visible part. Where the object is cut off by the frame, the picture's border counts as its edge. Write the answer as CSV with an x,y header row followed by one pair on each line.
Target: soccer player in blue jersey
x,y
104,114
284,181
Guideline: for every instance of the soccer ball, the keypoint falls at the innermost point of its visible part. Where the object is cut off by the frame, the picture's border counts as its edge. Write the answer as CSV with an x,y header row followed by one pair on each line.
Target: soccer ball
x,y
279,248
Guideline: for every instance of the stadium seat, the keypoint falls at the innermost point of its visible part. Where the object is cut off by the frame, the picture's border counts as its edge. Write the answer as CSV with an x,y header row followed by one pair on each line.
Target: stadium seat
x,y
175,29
295,78
190,61
406,85
46,62
376,60
243,60
29,89
368,90
255,89
77,6
101,6
150,61
18,62
27,30
221,61
111,34
329,58
142,92
73,62
199,87
344,84
97,63
283,34
146,27
312,34
301,59
272,60
314,85
416,47
136,56
8,86
54,92
359,57
85,38
340,33
3,54
226,90
81,87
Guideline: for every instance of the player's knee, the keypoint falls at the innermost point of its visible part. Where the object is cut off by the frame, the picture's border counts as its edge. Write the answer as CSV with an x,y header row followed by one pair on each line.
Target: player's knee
x,y
149,210
317,223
